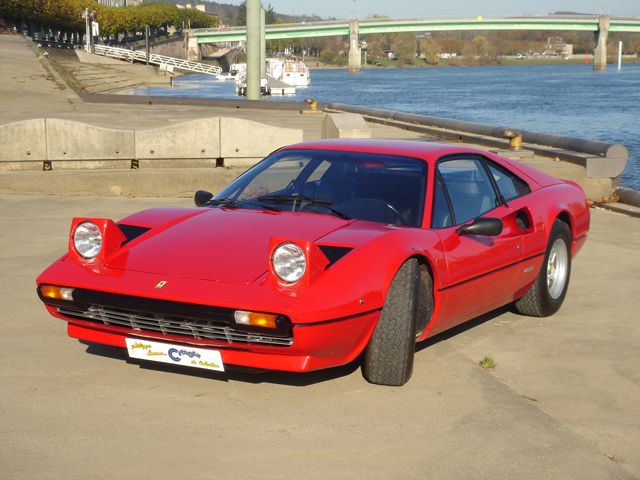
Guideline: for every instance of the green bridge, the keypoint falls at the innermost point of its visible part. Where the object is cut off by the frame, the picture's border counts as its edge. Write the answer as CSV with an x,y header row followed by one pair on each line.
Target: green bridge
x,y
600,25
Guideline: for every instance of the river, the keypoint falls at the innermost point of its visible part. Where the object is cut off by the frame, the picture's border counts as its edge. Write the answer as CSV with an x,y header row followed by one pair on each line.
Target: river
x,y
570,100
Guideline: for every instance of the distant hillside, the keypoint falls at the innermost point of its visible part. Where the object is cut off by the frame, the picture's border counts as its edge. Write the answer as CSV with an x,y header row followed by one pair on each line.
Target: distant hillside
x,y
571,13
227,13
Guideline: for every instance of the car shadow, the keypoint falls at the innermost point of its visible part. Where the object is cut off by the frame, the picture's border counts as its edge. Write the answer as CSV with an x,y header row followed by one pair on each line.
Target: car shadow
x,y
463,327
240,374
294,379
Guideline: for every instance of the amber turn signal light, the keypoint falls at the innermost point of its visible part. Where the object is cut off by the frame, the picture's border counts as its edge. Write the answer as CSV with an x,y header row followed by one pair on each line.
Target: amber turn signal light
x,y
256,319
59,293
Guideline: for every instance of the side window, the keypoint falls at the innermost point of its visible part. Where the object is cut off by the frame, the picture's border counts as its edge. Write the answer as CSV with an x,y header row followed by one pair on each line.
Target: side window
x,y
510,186
470,190
441,216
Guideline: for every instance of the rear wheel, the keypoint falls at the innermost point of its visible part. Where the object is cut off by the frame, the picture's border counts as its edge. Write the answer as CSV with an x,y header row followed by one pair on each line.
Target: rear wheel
x,y
389,355
546,295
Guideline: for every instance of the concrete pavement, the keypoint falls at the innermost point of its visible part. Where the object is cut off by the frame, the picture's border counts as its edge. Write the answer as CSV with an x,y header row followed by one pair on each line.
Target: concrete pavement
x,y
562,402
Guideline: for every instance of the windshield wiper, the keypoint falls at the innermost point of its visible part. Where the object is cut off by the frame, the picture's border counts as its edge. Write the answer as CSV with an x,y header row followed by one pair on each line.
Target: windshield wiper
x,y
229,203
225,202
304,201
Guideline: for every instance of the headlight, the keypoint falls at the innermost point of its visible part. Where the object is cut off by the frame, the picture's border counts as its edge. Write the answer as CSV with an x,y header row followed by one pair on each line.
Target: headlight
x,y
289,262
87,239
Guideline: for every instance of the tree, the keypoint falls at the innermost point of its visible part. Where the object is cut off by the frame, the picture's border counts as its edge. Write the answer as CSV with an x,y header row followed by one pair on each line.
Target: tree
x,y
404,48
241,18
269,15
374,47
431,50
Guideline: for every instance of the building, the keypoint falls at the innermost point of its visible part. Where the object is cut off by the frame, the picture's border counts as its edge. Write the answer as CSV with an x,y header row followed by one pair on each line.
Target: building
x,y
120,3
556,46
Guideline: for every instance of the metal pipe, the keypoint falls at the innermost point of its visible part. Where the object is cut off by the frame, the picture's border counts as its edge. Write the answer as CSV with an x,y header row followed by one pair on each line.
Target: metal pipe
x,y
619,54
253,49
263,46
146,41
591,147
628,196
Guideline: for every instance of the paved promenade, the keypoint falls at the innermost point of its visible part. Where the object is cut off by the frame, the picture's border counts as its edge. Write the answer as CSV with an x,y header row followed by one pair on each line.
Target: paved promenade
x,y
562,403
30,91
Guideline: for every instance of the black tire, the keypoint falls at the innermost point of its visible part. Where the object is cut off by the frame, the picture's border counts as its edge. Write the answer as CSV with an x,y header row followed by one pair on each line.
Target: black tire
x,y
388,358
546,295
426,301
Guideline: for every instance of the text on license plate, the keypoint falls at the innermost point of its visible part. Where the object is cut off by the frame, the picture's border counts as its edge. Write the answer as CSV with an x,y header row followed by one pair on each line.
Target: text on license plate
x,y
175,354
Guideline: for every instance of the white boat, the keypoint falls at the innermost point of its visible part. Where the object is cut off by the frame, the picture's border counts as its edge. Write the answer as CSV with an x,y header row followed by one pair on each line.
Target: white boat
x,y
241,85
291,72
237,69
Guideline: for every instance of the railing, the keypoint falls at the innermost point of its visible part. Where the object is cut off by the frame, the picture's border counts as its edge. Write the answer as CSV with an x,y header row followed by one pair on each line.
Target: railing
x,y
155,59
432,19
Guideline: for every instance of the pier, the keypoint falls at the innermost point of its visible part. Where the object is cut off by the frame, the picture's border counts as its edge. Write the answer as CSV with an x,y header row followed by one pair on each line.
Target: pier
x,y
561,403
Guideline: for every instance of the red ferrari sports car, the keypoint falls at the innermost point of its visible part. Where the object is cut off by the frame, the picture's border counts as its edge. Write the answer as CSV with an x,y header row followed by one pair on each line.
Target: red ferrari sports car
x,y
322,253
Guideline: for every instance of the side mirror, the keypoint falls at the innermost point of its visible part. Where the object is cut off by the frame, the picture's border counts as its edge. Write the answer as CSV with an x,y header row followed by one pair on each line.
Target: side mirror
x,y
490,227
202,197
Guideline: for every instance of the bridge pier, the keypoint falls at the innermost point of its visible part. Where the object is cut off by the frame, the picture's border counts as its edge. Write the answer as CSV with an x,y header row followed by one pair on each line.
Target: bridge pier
x,y
354,50
600,53
191,47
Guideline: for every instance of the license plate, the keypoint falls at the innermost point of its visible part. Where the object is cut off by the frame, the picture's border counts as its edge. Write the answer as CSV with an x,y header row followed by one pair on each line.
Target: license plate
x,y
175,354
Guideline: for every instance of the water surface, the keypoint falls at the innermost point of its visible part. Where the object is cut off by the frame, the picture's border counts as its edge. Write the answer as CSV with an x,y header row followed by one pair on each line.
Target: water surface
x,y
570,100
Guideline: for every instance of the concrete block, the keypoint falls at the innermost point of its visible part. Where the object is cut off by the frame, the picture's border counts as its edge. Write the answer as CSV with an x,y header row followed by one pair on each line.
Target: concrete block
x,y
67,140
243,139
23,141
345,125
180,182
178,163
515,154
610,167
198,139
21,166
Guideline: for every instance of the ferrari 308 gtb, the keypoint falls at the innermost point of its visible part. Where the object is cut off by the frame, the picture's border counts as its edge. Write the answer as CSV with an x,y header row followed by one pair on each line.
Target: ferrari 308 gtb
x,y
323,253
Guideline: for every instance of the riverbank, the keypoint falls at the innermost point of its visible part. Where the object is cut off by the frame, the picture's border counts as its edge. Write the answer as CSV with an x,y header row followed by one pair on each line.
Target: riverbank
x,y
190,102
313,63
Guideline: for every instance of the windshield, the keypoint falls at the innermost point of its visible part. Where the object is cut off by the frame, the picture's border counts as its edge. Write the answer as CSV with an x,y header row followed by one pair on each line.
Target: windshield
x,y
351,185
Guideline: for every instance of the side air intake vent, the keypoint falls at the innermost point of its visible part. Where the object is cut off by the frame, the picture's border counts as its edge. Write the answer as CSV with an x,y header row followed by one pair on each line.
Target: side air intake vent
x,y
132,231
334,253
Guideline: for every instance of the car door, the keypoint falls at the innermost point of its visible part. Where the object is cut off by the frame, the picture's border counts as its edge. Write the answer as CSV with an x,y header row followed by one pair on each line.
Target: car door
x,y
482,269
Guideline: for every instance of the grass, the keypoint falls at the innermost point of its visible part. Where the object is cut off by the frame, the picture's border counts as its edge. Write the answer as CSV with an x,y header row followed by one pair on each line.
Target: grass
x,y
488,363
460,62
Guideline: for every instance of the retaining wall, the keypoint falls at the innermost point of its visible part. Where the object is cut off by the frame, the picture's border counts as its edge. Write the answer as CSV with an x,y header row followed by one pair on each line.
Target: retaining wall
x,y
69,145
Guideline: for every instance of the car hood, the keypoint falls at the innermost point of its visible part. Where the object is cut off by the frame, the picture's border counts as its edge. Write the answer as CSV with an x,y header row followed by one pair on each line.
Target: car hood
x,y
227,245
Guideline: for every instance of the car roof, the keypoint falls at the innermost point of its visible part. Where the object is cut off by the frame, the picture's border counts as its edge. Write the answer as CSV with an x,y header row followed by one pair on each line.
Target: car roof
x,y
429,151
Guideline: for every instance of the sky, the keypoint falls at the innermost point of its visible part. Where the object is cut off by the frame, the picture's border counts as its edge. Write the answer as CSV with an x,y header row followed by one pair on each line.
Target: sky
x,y
341,9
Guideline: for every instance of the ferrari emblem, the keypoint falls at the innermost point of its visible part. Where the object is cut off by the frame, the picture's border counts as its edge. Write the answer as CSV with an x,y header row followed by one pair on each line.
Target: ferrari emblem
x,y
161,284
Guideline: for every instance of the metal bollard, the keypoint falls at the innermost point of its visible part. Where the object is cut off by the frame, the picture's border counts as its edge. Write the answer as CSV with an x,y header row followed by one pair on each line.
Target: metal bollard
x,y
313,106
514,136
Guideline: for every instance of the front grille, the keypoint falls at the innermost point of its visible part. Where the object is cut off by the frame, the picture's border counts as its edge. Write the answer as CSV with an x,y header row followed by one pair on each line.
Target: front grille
x,y
195,329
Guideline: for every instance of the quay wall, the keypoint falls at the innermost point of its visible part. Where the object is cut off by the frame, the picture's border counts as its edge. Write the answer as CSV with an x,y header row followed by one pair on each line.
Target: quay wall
x,y
68,145
59,145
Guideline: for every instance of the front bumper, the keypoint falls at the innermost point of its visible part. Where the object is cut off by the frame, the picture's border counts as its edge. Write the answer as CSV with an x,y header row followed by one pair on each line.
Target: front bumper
x,y
312,346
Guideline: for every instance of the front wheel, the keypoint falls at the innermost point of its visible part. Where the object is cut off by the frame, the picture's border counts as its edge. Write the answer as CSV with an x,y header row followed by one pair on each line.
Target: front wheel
x,y
546,295
389,356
